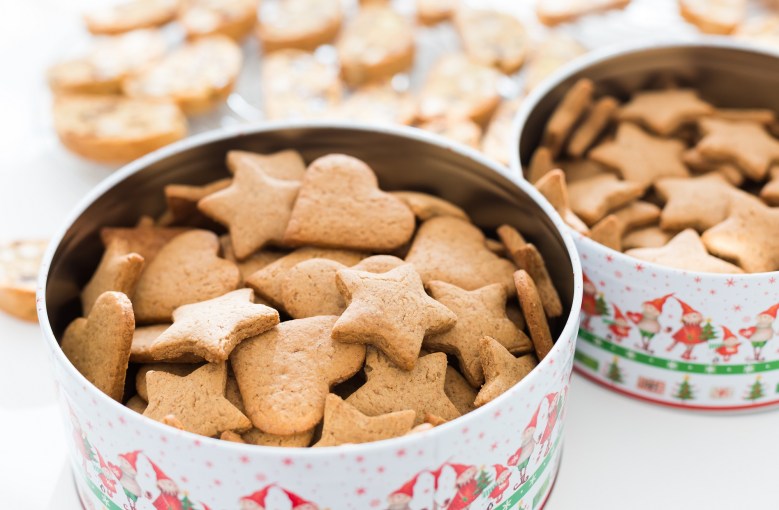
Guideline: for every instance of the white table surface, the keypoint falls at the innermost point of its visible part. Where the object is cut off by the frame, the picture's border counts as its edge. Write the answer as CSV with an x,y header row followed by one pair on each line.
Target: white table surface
x,y
619,453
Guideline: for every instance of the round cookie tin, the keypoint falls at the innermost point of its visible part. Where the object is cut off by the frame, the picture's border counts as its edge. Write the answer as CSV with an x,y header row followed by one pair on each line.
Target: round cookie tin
x,y
503,455
680,338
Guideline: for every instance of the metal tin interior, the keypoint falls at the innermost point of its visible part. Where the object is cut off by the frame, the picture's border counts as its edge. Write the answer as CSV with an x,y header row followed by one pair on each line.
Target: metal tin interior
x,y
725,73
403,158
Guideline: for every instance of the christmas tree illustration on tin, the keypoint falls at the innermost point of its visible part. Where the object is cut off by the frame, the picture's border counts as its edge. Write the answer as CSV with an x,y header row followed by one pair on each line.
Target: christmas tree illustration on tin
x,y
614,372
756,390
684,391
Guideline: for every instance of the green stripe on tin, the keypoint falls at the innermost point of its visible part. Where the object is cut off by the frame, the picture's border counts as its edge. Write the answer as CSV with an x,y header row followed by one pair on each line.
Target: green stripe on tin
x,y
586,360
676,366
110,505
513,500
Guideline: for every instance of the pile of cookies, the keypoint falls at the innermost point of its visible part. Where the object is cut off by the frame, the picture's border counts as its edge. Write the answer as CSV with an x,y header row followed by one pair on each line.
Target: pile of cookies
x,y
665,176
330,312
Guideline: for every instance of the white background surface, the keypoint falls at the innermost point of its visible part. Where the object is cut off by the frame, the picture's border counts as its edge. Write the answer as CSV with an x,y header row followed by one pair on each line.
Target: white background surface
x,y
619,453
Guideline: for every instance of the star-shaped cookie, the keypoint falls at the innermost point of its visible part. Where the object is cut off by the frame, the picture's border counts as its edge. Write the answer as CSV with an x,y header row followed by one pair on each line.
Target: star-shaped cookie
x,y
698,202
390,389
119,270
287,164
745,144
196,400
390,311
770,192
146,239
182,201
553,187
501,369
480,312
285,374
255,208
641,157
665,111
685,251
99,346
344,424
748,236
593,198
211,329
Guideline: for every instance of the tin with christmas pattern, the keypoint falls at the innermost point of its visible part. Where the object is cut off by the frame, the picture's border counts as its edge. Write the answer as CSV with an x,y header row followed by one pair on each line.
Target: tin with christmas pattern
x,y
681,338
503,455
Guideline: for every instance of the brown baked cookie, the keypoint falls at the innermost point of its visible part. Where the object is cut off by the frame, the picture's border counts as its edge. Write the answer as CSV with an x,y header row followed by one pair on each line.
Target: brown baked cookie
x,y
554,12
107,62
497,140
595,121
344,424
187,270
459,391
196,400
378,104
146,239
233,18
19,263
144,337
430,12
480,312
287,165
608,232
647,237
745,144
390,389
136,404
770,192
549,55
665,111
254,262
501,369
461,131
452,250
528,257
255,207
426,206
119,270
257,437
701,165
377,44
197,76
99,346
211,329
571,108
179,369
592,199
116,129
493,38
721,17
554,188
390,311
533,311
456,87
268,282
286,373
685,251
182,201
299,24
296,85
130,15
340,205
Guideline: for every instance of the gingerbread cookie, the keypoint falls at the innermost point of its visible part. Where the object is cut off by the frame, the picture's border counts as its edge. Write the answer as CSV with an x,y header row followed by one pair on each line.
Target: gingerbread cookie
x,y
115,129
459,390
233,18
254,262
426,206
197,76
533,311
299,24
390,311
99,345
745,144
493,38
344,424
555,190
459,88
550,54
592,126
182,200
144,337
497,141
608,232
592,199
390,389
461,131
287,165
119,270
501,369
379,104
340,205
430,12
130,15
770,192
685,251
187,270
452,250
286,373
377,44
137,404
721,17
571,108
554,12
528,257
146,239
479,312
179,369
296,85
255,207
648,237
665,111
104,66
196,400
19,262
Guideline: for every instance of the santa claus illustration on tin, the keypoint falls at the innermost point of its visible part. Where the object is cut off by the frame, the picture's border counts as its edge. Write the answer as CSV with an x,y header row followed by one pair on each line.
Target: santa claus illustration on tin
x,y
168,498
647,320
555,407
299,503
105,475
401,498
729,345
759,334
593,303
468,489
502,478
619,328
692,332
127,472
256,500
521,458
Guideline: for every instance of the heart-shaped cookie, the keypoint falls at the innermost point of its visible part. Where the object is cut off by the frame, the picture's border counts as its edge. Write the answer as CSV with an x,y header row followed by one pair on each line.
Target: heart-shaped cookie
x,y
340,205
186,270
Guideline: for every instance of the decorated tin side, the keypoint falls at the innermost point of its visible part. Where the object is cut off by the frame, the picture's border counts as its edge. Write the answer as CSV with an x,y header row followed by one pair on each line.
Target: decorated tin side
x,y
503,455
